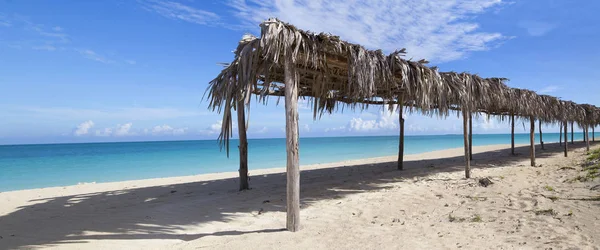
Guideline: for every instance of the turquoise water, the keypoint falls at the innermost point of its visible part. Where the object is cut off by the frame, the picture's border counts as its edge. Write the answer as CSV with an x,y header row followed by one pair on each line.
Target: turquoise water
x,y
48,165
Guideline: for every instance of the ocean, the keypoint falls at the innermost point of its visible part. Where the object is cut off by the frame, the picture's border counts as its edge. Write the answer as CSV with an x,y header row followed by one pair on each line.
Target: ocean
x,y
49,165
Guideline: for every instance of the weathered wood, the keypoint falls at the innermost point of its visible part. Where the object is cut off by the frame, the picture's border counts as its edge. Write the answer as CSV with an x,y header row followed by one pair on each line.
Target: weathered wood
x,y
541,140
532,142
512,134
466,141
471,136
587,137
566,144
243,147
291,134
401,146
560,129
593,134
572,142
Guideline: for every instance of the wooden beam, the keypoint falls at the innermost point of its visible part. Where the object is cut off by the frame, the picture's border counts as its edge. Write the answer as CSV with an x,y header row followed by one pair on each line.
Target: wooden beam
x,y
560,129
532,141
593,134
401,146
587,137
512,134
291,134
572,142
466,141
566,144
243,147
470,136
541,134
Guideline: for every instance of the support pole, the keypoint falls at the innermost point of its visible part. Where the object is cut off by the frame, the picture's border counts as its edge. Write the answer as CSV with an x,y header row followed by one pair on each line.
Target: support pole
x,y
470,136
560,129
593,134
572,142
541,140
512,135
532,141
566,144
243,147
401,146
466,141
587,137
291,134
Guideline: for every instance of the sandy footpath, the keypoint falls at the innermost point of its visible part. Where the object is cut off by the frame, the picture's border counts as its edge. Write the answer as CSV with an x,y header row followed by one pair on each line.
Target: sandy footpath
x,y
359,204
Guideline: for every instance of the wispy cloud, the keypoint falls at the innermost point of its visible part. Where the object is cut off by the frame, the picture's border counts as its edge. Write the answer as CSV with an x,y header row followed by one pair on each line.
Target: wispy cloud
x,y
537,28
549,89
44,47
178,11
4,22
92,55
52,38
438,30
118,130
107,114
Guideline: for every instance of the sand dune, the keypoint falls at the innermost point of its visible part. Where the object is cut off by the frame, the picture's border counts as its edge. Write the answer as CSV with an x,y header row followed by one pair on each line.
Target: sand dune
x,y
362,204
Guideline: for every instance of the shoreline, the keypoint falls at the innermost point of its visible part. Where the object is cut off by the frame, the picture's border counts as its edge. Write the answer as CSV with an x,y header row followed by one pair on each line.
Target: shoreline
x,y
368,202
140,183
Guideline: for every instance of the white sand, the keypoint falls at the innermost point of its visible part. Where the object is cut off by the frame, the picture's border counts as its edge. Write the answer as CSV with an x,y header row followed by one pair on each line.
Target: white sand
x,y
362,204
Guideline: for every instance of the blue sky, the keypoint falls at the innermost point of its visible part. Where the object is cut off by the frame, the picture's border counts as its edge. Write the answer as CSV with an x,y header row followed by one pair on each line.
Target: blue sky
x,y
117,70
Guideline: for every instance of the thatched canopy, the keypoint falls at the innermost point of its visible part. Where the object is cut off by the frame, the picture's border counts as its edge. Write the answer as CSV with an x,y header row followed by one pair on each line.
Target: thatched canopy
x,y
337,73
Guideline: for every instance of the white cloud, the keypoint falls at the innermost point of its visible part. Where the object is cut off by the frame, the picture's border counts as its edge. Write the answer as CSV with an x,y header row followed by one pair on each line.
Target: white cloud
x,y
132,62
537,28
167,130
119,130
213,129
306,128
549,89
83,128
340,128
262,130
437,30
178,11
104,132
386,120
123,130
108,114
416,128
44,47
92,55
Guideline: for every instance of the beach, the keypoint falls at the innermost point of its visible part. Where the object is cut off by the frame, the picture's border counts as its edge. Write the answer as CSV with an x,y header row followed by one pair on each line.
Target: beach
x,y
359,204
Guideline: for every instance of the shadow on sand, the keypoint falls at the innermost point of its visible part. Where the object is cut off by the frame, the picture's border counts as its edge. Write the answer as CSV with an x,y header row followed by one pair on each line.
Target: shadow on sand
x,y
162,212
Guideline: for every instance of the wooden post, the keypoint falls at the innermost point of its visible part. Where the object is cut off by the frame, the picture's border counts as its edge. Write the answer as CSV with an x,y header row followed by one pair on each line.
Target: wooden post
x,y
560,129
512,135
401,146
587,137
593,134
470,136
291,134
466,141
572,142
541,140
532,142
243,147
566,144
